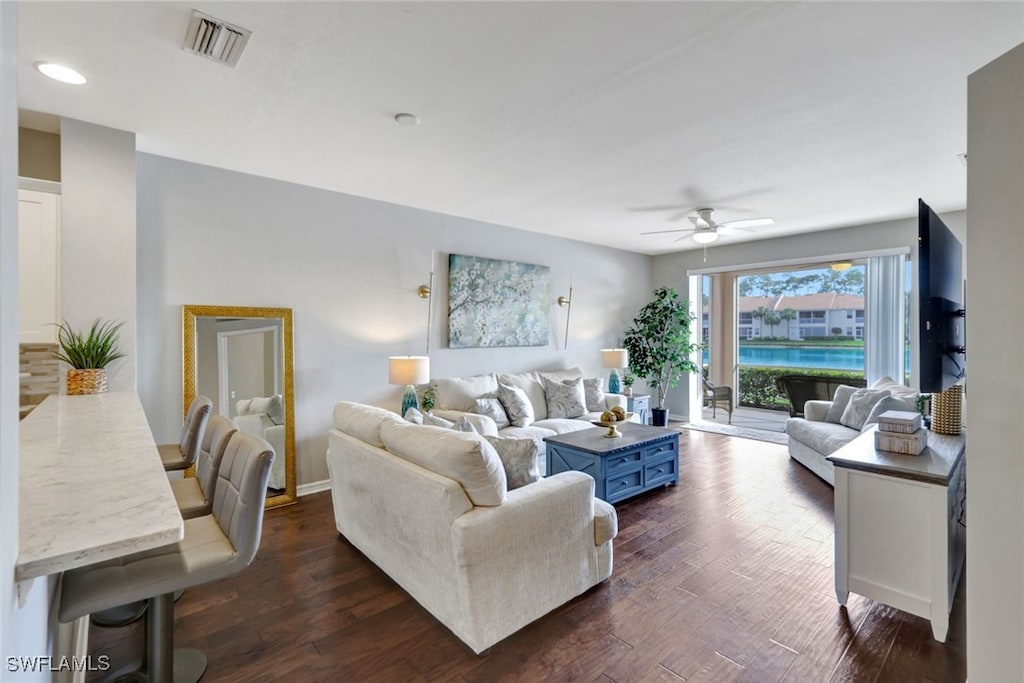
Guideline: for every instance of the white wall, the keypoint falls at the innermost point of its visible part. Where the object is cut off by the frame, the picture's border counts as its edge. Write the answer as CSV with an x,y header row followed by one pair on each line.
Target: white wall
x,y
670,270
98,234
24,628
349,268
995,328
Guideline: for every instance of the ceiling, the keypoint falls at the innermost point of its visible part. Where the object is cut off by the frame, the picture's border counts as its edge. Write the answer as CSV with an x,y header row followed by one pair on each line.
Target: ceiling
x,y
573,119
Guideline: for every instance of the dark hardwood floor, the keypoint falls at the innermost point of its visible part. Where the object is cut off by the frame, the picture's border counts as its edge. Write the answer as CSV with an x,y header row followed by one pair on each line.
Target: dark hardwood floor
x,y
726,577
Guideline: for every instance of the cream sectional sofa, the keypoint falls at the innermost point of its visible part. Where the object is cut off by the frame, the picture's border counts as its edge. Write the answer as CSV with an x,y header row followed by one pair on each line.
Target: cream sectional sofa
x,y
820,433
430,507
455,397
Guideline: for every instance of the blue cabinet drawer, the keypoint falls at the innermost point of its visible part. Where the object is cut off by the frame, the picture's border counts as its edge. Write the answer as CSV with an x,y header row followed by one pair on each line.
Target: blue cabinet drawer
x,y
621,462
623,486
661,473
661,450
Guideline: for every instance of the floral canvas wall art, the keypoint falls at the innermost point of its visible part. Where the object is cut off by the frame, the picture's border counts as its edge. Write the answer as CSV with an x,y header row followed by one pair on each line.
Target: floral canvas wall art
x,y
496,303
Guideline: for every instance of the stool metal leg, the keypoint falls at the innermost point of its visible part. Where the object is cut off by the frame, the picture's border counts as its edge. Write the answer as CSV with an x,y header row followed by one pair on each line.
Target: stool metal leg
x,y
160,639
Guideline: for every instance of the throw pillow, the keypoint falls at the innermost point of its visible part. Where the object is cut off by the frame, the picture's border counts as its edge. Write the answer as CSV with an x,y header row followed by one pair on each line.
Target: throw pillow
x,y
492,408
593,388
519,458
464,425
860,405
887,403
459,393
565,398
413,415
517,405
436,421
839,401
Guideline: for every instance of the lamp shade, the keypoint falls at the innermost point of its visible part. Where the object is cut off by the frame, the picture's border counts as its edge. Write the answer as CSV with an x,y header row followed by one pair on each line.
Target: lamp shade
x,y
614,358
408,369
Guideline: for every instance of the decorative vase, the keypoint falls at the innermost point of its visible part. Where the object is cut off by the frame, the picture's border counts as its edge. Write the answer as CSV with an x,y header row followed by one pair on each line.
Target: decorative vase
x,y
613,382
92,381
628,391
659,417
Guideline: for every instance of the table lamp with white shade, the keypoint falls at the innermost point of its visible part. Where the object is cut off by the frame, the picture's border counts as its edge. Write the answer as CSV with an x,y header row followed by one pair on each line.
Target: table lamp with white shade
x,y
614,359
410,371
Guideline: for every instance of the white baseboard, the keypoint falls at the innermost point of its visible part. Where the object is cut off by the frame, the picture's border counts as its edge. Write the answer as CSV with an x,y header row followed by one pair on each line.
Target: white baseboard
x,y
313,487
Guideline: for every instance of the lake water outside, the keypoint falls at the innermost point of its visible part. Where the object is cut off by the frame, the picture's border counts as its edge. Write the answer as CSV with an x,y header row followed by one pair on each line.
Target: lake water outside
x,y
830,358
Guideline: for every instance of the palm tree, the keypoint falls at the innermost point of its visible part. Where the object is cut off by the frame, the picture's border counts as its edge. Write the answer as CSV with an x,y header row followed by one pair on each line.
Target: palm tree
x,y
788,314
759,312
772,319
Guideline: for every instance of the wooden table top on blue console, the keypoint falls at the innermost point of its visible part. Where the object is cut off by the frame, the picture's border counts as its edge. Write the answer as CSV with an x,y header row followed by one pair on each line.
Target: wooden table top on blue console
x,y
641,459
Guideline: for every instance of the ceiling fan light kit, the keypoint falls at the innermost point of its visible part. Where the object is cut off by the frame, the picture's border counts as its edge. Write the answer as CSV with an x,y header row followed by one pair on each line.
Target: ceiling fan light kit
x,y
705,236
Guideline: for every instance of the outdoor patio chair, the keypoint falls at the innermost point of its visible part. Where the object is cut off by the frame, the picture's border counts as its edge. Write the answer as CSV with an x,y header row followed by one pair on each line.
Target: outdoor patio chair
x,y
714,395
800,389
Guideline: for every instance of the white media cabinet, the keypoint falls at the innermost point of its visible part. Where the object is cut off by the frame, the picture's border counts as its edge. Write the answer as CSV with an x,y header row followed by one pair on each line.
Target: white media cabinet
x,y
900,527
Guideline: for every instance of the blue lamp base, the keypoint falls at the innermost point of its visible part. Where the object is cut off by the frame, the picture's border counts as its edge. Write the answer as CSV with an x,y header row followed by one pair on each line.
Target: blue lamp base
x,y
409,399
613,382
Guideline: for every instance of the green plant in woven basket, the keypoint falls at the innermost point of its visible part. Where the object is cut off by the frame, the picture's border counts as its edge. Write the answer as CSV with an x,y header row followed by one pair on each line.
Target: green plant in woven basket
x,y
88,351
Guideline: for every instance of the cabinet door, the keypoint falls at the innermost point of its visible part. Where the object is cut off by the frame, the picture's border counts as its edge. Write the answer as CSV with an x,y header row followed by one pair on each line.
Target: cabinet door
x,y
38,274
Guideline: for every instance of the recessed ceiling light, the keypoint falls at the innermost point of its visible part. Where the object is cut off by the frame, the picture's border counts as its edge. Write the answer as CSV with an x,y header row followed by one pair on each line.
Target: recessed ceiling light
x,y
59,72
407,119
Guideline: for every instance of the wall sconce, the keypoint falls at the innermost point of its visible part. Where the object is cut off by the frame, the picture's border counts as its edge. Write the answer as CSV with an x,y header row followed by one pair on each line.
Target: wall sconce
x,y
566,301
423,292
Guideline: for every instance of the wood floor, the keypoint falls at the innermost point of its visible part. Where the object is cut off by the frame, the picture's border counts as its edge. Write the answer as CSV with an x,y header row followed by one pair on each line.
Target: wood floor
x,y
726,577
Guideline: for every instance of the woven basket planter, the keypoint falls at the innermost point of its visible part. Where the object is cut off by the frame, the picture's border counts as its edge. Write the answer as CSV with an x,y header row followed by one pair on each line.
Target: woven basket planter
x,y
82,382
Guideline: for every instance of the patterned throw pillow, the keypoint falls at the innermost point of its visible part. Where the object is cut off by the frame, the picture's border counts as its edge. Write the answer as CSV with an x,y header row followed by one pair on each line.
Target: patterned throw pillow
x,y
565,398
413,415
860,405
492,408
519,457
593,388
839,402
517,405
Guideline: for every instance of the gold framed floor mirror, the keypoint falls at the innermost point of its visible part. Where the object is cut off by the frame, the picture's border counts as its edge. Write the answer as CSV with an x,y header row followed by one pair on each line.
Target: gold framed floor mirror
x,y
241,358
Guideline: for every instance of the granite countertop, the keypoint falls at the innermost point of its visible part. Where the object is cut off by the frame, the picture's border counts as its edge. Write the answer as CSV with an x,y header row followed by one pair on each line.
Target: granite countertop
x,y
92,487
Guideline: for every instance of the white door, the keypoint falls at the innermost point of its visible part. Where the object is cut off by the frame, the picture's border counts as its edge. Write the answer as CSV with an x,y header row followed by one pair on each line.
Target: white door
x,y
38,270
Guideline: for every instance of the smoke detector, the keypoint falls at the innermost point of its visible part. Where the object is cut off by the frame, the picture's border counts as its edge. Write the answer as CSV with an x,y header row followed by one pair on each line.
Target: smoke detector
x,y
215,39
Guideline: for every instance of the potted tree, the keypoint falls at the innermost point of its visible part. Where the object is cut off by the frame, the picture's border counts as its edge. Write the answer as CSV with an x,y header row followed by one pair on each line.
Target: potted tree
x,y
88,354
658,341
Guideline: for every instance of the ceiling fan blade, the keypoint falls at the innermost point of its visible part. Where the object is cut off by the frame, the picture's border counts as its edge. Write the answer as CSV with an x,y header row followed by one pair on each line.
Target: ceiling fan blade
x,y
729,230
680,239
747,223
662,232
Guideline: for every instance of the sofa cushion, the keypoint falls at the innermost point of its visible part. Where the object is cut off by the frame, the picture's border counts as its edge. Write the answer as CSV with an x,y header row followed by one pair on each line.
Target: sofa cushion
x,y
517,405
492,408
563,425
896,389
362,421
559,375
887,403
273,406
413,415
460,393
466,458
565,398
519,458
593,389
824,437
531,385
532,432
839,401
436,421
860,405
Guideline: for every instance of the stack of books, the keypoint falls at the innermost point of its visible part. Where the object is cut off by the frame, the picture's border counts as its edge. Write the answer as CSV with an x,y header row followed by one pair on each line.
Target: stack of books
x,y
900,431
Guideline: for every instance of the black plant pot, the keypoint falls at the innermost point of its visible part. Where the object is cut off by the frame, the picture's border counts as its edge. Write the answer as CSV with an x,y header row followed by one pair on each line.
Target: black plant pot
x,y
659,417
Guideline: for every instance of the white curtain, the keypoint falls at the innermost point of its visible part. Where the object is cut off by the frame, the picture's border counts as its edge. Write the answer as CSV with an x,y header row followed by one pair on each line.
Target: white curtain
x,y
884,318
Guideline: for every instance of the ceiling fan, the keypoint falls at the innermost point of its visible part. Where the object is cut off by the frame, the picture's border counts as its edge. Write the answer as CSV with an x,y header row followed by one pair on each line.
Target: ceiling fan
x,y
705,230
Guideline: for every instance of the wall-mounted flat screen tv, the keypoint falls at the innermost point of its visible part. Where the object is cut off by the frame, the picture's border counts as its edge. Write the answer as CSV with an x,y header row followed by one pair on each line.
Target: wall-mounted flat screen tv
x,y
941,303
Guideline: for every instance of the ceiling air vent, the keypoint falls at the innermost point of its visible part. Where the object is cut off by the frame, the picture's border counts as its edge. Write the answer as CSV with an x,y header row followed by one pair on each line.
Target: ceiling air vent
x,y
215,39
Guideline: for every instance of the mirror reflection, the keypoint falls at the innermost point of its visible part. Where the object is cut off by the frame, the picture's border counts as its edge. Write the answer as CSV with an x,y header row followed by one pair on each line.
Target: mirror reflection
x,y
241,359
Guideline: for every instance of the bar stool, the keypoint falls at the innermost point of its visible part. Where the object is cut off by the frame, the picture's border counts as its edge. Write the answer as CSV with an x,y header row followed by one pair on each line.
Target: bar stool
x,y
215,546
181,455
194,497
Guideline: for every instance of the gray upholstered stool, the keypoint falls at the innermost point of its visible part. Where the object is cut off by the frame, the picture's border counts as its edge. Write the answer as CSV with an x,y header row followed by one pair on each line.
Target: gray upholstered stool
x,y
194,495
215,546
181,455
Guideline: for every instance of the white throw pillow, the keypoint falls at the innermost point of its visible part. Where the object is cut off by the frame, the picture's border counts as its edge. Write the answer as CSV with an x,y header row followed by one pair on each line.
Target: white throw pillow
x,y
460,393
839,402
887,403
436,421
492,408
519,457
517,405
466,458
413,415
464,425
532,386
593,388
860,405
565,398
